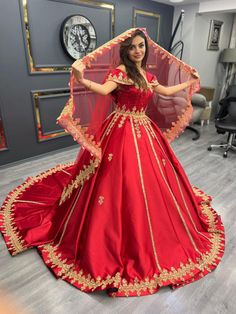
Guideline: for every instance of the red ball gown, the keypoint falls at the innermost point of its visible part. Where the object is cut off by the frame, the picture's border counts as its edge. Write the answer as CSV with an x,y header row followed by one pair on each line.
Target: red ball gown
x,y
131,222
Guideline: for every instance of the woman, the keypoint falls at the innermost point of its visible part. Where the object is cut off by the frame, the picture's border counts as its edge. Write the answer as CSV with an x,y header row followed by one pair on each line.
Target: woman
x,y
134,54
124,217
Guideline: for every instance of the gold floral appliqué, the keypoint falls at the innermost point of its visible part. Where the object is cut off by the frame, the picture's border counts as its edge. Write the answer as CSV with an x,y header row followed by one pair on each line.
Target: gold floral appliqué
x,y
101,200
110,156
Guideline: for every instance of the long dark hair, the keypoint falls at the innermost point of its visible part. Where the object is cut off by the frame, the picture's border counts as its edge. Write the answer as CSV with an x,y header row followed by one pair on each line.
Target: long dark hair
x,y
130,66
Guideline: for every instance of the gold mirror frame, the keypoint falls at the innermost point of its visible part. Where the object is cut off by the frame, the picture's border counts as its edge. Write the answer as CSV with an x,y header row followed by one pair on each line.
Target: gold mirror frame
x,y
148,14
40,135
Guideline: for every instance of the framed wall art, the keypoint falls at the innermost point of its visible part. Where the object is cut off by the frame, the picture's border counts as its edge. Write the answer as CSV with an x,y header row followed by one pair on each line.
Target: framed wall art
x,y
214,35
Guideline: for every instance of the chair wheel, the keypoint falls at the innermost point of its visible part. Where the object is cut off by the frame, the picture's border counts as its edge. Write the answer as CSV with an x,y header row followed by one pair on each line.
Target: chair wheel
x,y
209,148
225,155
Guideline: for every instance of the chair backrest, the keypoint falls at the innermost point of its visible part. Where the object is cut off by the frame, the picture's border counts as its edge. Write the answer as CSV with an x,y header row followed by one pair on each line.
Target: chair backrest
x,y
199,100
230,98
232,110
231,92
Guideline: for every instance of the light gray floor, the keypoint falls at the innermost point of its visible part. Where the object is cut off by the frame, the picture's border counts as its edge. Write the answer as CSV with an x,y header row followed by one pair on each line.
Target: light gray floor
x,y
26,278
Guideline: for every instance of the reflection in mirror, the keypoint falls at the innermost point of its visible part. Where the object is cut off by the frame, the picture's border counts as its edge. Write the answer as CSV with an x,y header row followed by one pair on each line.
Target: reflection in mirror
x,y
3,144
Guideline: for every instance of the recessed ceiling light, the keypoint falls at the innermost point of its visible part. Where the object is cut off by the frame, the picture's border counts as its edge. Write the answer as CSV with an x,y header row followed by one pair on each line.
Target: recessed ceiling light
x,y
176,0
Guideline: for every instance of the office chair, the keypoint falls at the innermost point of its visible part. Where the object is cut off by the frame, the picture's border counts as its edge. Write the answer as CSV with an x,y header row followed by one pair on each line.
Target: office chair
x,y
225,120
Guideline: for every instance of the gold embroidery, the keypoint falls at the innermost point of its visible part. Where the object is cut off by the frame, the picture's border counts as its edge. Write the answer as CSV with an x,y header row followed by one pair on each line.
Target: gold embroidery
x,y
171,193
97,52
69,174
76,130
179,126
158,50
14,240
101,200
149,128
67,110
87,170
122,120
112,123
137,128
144,194
30,202
138,114
79,134
209,258
206,207
68,271
110,156
182,196
69,216
123,113
79,180
175,276
122,78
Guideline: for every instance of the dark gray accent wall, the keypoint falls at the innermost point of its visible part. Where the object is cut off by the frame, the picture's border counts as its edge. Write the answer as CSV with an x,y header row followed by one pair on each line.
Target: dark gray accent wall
x,y
18,85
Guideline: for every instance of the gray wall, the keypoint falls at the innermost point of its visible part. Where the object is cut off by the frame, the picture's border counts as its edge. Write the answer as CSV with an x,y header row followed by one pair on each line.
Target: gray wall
x,y
18,85
195,37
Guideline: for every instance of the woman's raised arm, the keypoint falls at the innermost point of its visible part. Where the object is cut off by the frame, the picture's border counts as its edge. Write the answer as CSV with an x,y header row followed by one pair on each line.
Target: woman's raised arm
x,y
103,89
170,90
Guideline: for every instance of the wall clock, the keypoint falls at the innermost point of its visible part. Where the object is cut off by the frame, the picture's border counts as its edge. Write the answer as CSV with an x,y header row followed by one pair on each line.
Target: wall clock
x,y
78,36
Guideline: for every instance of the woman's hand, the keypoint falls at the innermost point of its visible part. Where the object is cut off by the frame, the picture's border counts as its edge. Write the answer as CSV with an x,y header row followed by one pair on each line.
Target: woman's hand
x,y
78,70
195,75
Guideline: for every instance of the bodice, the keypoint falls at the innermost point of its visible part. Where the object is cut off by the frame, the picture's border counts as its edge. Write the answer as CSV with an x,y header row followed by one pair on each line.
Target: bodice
x,y
127,95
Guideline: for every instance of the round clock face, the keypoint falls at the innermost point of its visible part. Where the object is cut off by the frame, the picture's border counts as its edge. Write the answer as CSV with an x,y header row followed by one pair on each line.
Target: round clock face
x,y
78,36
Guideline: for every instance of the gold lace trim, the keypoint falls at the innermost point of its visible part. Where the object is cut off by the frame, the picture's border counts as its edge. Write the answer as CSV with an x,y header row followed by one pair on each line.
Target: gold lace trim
x,y
15,241
172,195
144,195
120,38
97,52
79,133
134,112
179,126
212,257
178,183
88,170
122,78
120,115
174,275
79,180
110,156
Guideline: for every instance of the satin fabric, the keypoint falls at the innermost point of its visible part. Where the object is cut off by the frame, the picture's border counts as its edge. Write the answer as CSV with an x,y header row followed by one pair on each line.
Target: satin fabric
x,y
132,221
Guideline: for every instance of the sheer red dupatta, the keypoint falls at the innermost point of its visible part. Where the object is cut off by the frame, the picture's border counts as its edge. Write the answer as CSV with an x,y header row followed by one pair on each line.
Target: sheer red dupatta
x,y
86,111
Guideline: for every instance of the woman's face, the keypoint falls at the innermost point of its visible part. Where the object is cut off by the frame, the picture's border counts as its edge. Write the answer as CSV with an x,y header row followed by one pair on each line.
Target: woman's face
x,y
137,50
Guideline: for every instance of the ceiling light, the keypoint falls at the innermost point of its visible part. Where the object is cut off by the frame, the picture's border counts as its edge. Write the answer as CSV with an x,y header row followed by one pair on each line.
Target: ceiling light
x,y
176,0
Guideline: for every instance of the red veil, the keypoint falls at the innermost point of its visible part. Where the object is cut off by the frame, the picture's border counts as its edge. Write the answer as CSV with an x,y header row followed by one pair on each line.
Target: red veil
x,y
86,111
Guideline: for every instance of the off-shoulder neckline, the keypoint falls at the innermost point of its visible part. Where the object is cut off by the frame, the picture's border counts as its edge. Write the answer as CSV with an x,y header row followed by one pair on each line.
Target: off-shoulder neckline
x,y
146,73
120,70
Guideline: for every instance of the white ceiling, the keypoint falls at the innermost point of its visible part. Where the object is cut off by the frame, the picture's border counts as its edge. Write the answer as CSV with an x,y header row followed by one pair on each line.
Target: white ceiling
x,y
207,6
184,2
